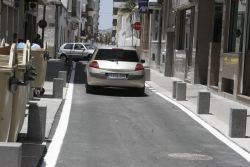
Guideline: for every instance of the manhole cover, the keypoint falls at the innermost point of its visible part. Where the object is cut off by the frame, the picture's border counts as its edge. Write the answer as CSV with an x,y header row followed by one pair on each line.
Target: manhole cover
x,y
190,157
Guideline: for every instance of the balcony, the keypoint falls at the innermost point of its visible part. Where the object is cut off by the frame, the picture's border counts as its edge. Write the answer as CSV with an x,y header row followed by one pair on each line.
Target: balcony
x,y
119,4
91,13
115,16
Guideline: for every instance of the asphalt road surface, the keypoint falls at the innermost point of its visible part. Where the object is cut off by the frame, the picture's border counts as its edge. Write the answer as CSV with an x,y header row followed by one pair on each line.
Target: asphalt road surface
x,y
117,128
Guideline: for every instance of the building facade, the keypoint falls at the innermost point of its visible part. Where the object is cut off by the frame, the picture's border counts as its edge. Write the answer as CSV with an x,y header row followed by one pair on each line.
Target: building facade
x,y
117,4
90,30
57,21
12,20
203,42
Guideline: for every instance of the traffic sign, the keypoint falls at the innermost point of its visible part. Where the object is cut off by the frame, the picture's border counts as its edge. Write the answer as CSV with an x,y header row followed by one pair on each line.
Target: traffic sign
x,y
143,6
137,26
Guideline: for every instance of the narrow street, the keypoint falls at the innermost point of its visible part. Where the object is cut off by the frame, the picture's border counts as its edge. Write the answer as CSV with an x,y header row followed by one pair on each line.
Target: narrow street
x,y
117,128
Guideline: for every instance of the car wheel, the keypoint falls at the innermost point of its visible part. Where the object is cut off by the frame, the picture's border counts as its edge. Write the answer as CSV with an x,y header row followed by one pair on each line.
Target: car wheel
x,y
141,91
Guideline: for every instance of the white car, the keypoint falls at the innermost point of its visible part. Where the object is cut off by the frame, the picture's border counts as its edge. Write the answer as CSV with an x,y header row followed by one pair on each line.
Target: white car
x,y
76,51
115,67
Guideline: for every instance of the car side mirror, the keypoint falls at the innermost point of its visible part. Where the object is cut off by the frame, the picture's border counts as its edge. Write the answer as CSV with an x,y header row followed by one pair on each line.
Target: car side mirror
x,y
89,57
142,61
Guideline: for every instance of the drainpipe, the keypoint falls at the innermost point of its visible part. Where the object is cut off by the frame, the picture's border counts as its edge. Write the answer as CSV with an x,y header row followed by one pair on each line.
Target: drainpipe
x,y
159,40
0,20
44,13
56,31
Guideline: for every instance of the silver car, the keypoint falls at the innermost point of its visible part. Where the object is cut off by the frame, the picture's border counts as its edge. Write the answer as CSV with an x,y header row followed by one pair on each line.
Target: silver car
x,y
115,67
75,51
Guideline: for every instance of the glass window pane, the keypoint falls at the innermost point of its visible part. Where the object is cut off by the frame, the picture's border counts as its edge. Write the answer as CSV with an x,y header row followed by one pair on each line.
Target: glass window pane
x,y
68,46
238,10
78,47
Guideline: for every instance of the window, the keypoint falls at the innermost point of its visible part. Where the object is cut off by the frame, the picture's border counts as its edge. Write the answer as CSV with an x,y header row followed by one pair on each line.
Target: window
x,y
156,25
68,46
218,12
184,30
115,11
114,22
237,20
78,47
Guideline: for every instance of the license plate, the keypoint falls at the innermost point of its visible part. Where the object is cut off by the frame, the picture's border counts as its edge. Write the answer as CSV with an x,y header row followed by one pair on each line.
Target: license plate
x,y
116,76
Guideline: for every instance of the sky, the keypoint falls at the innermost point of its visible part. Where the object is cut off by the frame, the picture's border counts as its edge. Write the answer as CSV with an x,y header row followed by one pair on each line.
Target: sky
x,y
106,12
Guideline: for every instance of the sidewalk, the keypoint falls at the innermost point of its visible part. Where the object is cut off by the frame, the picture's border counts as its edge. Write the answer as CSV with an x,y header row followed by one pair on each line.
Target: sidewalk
x,y
32,151
219,106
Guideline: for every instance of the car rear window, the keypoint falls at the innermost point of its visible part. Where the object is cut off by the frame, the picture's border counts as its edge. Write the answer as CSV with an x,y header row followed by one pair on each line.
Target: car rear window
x,y
88,46
117,55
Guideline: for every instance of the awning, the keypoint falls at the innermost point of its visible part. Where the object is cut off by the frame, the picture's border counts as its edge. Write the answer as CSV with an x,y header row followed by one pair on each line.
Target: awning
x,y
154,4
49,2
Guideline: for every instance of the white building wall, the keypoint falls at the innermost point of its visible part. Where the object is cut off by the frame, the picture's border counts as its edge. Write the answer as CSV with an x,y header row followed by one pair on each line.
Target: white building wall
x,y
125,35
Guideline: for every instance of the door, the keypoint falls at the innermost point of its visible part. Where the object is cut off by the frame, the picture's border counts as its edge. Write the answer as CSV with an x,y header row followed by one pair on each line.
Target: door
x,y
67,49
78,51
246,60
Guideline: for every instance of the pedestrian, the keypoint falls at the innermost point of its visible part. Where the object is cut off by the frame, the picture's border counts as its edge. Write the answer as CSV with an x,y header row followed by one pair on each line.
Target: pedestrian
x,y
38,40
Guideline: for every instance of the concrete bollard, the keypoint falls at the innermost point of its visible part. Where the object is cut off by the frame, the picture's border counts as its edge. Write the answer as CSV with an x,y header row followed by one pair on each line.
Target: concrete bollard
x,y
203,103
181,91
237,123
58,88
147,73
37,122
174,89
63,75
10,154
31,93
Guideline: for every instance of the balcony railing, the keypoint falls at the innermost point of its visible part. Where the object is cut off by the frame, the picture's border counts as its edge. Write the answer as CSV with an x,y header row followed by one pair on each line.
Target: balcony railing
x,y
119,4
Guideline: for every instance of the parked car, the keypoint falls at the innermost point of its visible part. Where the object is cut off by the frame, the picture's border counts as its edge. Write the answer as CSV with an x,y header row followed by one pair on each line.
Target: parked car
x,y
76,51
115,67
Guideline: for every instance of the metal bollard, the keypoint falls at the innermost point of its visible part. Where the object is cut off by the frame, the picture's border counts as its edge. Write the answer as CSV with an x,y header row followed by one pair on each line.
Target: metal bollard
x,y
10,154
237,123
174,89
181,91
203,103
37,122
58,88
63,75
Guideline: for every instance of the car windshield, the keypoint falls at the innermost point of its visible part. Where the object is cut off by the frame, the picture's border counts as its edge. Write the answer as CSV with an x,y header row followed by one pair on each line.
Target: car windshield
x,y
117,55
89,46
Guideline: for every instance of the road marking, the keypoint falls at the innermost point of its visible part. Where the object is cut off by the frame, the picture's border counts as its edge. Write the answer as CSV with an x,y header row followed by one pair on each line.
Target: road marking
x,y
211,129
190,156
51,157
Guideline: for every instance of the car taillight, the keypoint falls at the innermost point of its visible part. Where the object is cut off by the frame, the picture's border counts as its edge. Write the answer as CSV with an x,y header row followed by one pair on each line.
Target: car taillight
x,y
94,64
139,67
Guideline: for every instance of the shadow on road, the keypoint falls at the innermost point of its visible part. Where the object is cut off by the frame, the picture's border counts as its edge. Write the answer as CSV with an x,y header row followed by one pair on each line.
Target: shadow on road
x,y
80,76
119,92
54,66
